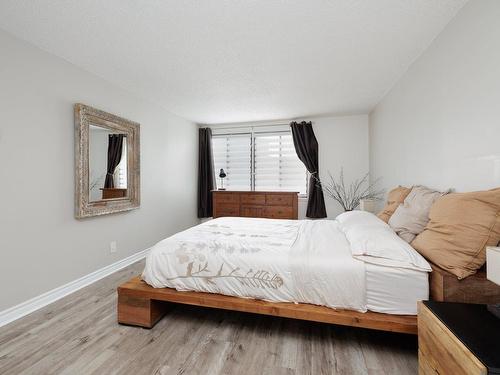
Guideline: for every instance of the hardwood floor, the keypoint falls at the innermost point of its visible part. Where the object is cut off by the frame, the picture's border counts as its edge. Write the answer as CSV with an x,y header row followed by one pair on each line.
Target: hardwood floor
x,y
79,335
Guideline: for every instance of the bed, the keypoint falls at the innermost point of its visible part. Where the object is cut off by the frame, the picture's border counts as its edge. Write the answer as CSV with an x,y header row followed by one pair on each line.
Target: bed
x,y
353,270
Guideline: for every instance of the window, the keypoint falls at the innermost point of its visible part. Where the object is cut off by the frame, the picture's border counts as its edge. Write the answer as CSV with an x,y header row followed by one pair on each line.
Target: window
x,y
259,161
120,176
233,154
276,164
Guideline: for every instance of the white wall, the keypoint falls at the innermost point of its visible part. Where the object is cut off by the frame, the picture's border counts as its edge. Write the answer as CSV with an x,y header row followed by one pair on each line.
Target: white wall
x,y
42,246
440,125
343,142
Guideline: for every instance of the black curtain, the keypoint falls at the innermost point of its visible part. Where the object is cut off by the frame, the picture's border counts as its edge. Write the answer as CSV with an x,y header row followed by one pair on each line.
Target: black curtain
x,y
306,147
205,173
115,146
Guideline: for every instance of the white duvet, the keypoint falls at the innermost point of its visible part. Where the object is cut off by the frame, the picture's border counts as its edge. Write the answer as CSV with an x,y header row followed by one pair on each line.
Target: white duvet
x,y
321,262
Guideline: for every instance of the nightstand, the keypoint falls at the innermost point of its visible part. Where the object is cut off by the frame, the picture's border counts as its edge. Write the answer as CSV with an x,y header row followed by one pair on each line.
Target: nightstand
x,y
457,338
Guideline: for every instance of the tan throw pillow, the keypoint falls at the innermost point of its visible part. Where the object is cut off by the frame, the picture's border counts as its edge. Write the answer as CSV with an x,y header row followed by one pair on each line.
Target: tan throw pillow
x,y
394,199
411,217
461,226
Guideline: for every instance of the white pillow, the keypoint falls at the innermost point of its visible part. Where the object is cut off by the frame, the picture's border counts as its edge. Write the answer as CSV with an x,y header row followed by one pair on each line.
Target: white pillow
x,y
411,217
373,241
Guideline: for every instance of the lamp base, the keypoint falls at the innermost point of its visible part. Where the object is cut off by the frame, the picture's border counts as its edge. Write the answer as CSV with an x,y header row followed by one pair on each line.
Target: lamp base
x,y
494,309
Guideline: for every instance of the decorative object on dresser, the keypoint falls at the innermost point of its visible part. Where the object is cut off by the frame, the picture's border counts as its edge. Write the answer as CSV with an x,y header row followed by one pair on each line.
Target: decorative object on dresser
x,y
493,274
264,204
222,176
457,338
350,196
108,145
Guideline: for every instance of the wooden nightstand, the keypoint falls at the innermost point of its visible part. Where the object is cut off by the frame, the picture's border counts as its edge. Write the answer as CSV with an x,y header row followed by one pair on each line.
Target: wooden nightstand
x,y
457,338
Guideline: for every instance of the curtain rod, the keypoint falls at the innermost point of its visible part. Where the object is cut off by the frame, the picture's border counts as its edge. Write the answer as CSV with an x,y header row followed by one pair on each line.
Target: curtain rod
x,y
246,126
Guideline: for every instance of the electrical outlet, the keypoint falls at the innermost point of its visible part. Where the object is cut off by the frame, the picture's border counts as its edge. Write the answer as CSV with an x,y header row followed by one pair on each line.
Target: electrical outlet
x,y
112,247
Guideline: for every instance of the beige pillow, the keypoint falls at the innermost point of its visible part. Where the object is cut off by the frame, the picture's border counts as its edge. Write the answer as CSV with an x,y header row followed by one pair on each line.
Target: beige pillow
x,y
461,226
394,199
411,217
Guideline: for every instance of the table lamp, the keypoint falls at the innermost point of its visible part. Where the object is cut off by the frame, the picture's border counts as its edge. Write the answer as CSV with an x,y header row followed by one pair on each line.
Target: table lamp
x,y
222,175
493,274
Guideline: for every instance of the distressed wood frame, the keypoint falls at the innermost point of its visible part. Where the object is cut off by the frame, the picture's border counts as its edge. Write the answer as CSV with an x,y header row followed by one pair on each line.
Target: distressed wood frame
x,y
84,117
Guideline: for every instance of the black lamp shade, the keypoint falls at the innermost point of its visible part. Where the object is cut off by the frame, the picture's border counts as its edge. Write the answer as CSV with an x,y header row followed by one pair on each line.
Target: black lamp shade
x,y
222,174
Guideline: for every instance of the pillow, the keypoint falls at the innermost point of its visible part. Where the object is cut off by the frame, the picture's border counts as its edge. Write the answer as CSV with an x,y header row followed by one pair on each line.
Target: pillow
x,y
373,241
394,199
411,217
461,226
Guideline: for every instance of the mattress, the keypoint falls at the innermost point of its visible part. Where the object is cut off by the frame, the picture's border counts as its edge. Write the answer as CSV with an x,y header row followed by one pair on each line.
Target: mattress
x,y
354,262
395,290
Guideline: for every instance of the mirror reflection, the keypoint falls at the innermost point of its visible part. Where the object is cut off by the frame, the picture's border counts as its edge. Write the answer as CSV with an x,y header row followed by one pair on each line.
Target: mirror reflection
x,y
107,164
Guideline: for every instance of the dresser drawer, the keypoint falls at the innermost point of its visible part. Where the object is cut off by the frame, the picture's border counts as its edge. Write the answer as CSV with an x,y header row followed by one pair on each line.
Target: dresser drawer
x,y
226,197
279,212
265,204
279,200
226,209
252,211
253,199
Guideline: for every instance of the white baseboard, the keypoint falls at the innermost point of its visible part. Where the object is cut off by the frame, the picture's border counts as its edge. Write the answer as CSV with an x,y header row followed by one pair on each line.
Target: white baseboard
x,y
27,307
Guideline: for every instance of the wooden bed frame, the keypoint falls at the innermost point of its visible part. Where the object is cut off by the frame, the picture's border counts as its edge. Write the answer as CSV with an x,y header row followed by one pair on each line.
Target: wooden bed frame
x,y
443,286
142,305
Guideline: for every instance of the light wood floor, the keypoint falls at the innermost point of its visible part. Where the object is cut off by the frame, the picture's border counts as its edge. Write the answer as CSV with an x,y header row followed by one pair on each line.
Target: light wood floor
x,y
79,335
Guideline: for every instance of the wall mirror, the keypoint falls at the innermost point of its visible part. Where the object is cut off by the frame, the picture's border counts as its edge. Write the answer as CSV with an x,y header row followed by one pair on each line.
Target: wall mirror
x,y
107,173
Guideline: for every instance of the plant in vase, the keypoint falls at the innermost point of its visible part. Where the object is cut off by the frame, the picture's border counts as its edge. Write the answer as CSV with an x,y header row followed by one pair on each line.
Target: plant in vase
x,y
349,196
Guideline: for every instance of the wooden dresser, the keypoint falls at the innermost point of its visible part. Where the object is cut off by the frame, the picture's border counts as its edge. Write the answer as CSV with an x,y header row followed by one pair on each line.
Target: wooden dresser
x,y
111,193
266,204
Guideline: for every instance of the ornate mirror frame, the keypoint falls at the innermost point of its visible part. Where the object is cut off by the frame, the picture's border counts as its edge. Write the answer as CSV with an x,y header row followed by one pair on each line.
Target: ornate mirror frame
x,y
84,117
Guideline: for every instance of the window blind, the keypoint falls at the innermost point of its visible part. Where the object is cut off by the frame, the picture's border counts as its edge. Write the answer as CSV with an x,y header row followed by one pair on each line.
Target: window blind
x,y
259,161
233,154
277,166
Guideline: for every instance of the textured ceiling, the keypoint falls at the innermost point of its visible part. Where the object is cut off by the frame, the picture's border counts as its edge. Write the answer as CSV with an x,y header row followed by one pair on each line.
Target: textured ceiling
x,y
216,61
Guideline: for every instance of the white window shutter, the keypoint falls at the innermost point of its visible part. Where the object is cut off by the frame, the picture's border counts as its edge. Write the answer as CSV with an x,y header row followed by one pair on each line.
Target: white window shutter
x,y
261,162
233,154
277,166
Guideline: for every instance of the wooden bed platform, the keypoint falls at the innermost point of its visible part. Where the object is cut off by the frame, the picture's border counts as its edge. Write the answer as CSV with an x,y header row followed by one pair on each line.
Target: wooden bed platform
x,y
142,305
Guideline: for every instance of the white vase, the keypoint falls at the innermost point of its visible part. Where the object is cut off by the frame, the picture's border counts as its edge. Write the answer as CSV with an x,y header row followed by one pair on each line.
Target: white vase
x,y
369,205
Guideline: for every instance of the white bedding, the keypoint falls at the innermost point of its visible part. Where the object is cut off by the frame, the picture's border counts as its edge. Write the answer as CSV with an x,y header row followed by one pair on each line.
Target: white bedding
x,y
324,262
394,290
